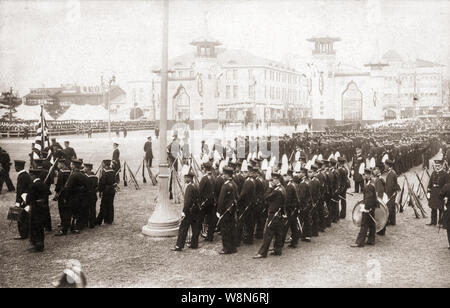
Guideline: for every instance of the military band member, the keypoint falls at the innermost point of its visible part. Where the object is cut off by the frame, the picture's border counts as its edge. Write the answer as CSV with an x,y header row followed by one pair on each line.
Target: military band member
x,y
61,195
91,195
37,206
437,181
276,199
226,212
380,189
190,215
22,187
292,211
107,191
368,216
208,201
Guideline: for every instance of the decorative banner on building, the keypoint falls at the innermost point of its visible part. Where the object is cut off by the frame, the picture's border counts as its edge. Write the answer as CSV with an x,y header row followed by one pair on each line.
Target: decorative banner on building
x,y
374,99
321,84
200,85
309,85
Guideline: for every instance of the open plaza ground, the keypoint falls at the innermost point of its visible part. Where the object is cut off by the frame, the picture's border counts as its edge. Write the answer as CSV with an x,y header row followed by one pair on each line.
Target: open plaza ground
x,y
410,255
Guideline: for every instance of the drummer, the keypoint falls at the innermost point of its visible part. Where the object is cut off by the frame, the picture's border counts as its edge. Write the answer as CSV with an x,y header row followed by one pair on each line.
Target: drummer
x,y
368,211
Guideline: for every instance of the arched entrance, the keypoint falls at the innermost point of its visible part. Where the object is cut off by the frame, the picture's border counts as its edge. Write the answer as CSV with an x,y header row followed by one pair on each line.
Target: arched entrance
x,y
181,104
352,103
390,114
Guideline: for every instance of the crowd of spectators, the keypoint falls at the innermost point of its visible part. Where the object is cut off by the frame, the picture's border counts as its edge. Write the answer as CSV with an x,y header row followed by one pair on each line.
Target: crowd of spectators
x,y
27,129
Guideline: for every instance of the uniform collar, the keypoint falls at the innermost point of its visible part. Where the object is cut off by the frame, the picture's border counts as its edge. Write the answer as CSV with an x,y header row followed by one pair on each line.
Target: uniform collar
x,y
36,180
21,171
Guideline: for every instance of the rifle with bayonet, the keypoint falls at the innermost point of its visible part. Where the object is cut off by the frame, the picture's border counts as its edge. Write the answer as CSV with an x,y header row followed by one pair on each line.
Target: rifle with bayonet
x,y
421,185
412,200
273,218
228,210
58,194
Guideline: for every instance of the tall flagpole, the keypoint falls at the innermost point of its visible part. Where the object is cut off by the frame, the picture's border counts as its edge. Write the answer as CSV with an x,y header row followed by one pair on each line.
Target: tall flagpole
x,y
164,220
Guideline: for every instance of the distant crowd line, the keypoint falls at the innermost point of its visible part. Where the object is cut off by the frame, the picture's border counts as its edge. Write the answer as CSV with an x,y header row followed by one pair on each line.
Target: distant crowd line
x,y
26,129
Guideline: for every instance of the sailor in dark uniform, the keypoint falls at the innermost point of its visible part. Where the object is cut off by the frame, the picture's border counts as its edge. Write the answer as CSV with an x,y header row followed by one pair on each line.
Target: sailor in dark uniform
x,y
260,209
368,216
43,172
335,183
276,199
190,215
208,200
148,152
246,202
107,191
91,195
76,187
344,184
321,206
314,188
226,212
357,177
61,195
304,197
292,211
37,206
55,147
437,181
5,166
69,152
392,188
23,185
445,194
116,161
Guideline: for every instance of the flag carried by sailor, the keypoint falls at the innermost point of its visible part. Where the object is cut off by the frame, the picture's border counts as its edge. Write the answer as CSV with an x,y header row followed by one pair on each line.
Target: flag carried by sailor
x,y
42,140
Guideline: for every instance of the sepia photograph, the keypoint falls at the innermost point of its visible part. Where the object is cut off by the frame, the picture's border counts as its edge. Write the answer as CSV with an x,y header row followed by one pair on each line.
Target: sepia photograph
x,y
224,149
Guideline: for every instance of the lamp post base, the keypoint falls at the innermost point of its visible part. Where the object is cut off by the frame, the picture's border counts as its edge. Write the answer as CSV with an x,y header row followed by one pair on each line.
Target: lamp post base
x,y
165,220
167,229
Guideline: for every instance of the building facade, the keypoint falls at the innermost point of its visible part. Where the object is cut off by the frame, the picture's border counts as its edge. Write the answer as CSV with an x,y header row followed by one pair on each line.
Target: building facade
x,y
220,85
213,84
57,100
386,89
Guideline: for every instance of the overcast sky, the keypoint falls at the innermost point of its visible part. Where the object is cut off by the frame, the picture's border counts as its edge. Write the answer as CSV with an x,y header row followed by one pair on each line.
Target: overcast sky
x,y
54,42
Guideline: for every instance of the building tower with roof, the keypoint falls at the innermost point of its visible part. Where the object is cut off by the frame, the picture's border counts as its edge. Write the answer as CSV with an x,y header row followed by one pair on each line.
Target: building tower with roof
x,y
321,80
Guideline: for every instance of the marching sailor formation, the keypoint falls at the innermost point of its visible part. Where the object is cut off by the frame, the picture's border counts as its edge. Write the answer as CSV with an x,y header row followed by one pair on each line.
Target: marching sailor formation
x,y
75,190
255,198
290,200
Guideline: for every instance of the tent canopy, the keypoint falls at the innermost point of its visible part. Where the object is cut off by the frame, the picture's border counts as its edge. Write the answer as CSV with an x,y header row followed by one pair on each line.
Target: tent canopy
x,y
27,113
84,112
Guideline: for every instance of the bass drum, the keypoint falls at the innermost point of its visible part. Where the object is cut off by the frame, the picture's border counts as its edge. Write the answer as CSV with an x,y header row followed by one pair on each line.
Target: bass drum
x,y
381,214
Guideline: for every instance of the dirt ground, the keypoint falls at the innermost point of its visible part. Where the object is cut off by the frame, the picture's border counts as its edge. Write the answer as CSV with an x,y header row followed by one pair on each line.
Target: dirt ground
x,y
410,255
